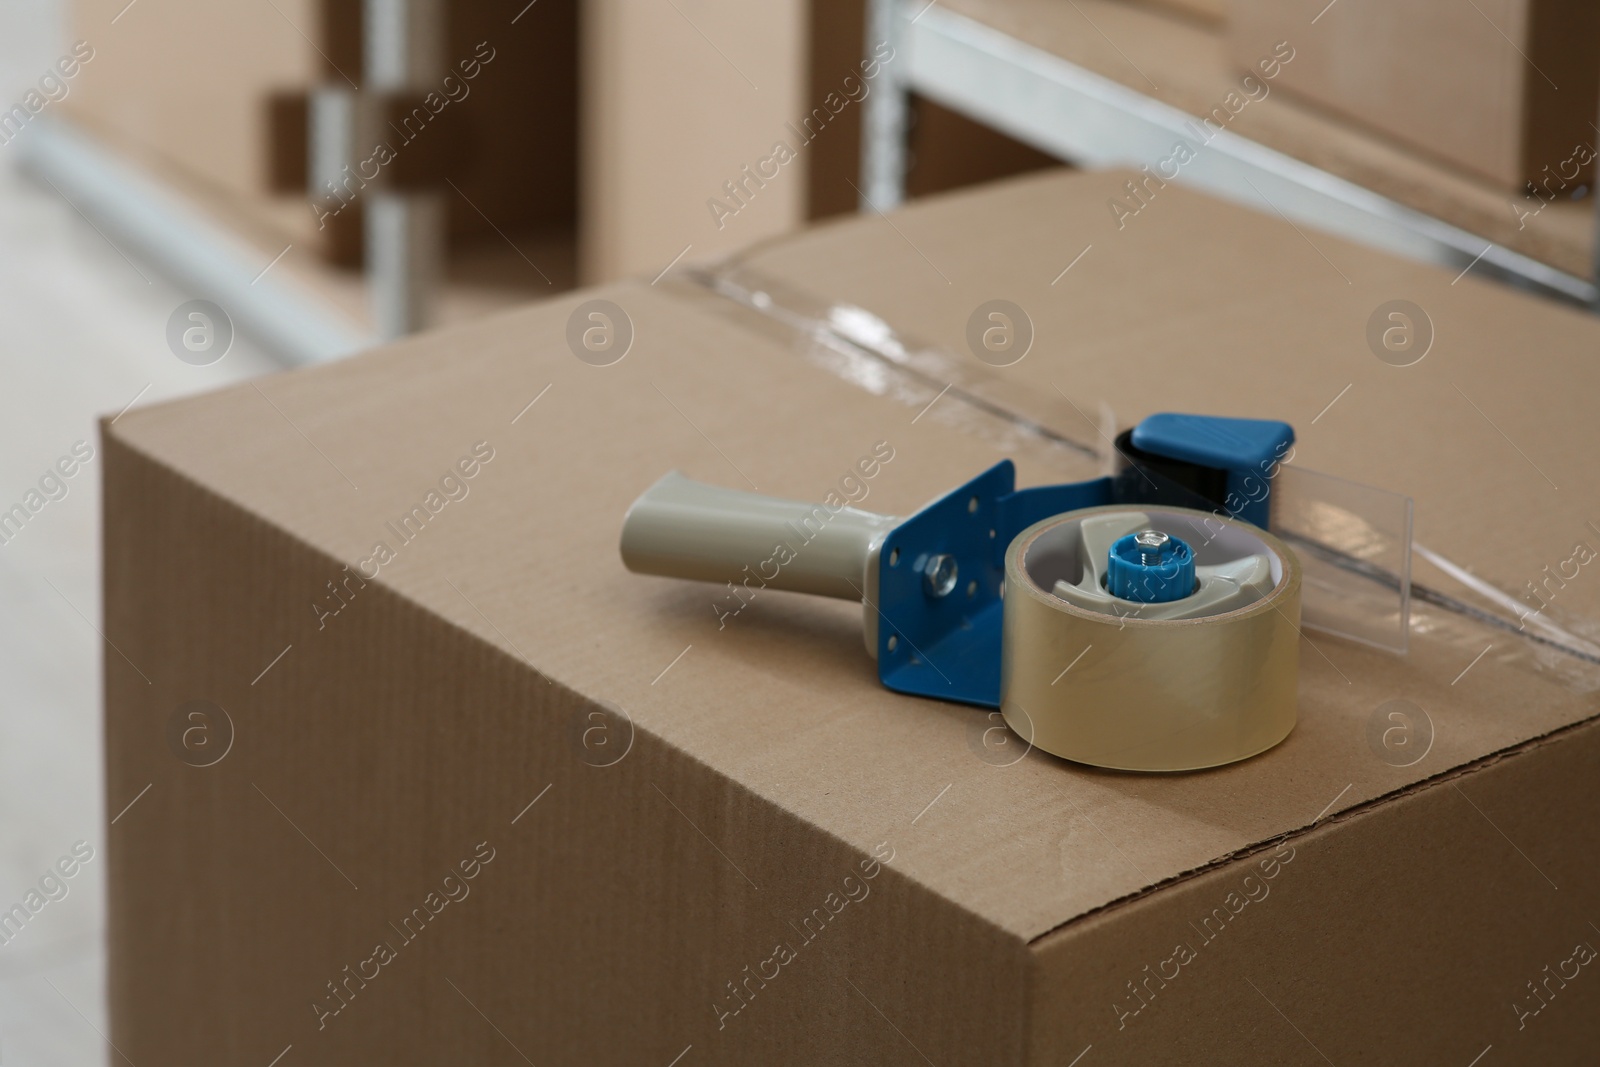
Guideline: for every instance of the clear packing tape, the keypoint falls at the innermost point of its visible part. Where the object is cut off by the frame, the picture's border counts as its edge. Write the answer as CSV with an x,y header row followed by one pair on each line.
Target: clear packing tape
x,y
1353,542
1157,694
1529,674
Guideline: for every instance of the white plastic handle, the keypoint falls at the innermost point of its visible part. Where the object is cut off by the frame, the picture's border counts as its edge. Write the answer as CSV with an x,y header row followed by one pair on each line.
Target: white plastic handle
x,y
681,528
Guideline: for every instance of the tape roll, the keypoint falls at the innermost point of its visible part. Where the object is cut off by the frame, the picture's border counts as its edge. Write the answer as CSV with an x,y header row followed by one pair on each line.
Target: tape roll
x,y
1148,694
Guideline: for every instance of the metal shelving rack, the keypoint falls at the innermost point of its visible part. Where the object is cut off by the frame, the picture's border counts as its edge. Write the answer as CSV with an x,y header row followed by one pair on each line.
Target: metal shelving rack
x,y
1087,119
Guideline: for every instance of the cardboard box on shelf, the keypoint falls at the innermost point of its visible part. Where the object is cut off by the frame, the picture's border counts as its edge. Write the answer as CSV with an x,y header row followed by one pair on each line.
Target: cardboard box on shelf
x,y
216,103
190,87
1506,91
465,790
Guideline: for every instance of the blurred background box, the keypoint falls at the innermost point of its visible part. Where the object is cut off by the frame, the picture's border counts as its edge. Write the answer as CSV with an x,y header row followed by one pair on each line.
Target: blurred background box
x,y
185,89
649,171
216,110
216,98
589,147
1506,89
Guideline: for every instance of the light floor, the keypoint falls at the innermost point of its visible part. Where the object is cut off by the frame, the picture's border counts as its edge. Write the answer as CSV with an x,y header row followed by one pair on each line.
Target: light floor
x,y
82,333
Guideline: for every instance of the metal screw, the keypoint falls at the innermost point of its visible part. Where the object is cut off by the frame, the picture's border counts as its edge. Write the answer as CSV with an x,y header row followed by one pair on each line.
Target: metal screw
x,y
939,576
1151,543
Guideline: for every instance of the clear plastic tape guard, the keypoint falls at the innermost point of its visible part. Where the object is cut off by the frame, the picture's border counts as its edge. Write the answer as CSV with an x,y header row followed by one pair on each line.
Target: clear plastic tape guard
x,y
1354,543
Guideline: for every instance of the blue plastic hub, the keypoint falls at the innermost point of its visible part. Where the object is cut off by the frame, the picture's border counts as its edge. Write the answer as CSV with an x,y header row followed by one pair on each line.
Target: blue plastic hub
x,y
1155,573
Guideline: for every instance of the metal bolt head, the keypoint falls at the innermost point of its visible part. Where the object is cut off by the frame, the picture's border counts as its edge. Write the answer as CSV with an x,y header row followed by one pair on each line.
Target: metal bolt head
x,y
940,575
1151,543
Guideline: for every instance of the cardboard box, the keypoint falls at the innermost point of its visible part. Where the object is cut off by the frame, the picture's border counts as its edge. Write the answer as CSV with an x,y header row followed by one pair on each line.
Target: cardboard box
x,y
501,801
215,102
187,87
1506,90
682,114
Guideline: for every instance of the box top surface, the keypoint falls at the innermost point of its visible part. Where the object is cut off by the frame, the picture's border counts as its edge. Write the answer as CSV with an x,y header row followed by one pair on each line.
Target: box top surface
x,y
1197,307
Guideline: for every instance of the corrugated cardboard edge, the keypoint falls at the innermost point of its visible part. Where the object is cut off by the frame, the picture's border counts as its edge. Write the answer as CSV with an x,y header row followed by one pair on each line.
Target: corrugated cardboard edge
x,y
1361,810
1407,929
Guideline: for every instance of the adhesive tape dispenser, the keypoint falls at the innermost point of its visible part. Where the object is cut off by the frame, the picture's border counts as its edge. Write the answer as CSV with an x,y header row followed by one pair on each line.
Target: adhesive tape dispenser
x,y
1110,623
